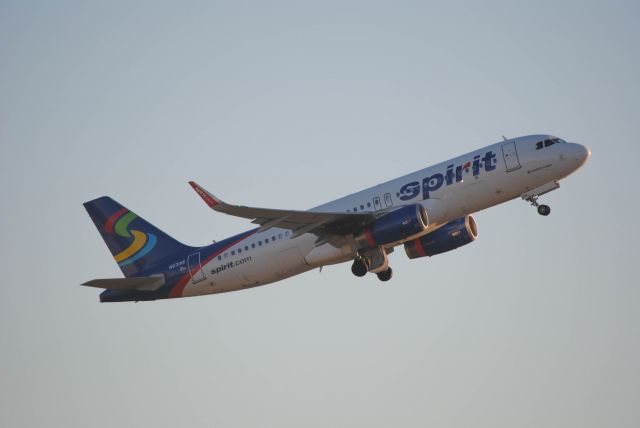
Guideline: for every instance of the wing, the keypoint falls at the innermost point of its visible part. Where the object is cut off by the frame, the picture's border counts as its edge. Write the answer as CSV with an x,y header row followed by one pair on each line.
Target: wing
x,y
325,225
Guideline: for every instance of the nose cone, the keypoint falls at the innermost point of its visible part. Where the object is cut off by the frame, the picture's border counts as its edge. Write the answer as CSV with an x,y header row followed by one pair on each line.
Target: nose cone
x,y
582,154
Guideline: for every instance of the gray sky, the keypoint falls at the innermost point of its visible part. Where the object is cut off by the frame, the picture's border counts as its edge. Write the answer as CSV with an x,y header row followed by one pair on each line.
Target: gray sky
x,y
291,105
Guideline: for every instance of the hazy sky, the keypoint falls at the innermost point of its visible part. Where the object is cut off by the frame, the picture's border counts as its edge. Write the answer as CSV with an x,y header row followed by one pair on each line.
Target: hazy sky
x,y
289,105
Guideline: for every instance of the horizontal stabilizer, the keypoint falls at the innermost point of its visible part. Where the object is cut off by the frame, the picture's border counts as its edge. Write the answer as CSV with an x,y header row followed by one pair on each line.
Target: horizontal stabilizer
x,y
125,284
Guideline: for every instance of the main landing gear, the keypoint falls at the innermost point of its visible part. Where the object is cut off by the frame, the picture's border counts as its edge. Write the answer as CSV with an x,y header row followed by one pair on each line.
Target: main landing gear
x,y
362,265
543,210
385,275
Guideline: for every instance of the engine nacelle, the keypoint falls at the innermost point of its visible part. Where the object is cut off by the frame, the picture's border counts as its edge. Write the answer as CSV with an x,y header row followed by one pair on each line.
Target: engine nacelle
x,y
452,235
397,225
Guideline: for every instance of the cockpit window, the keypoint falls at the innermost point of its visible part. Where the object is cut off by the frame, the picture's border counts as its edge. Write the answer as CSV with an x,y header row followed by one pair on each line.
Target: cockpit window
x,y
547,143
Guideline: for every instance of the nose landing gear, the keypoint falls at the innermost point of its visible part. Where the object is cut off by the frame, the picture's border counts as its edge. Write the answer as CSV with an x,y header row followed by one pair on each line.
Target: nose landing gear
x,y
543,210
533,195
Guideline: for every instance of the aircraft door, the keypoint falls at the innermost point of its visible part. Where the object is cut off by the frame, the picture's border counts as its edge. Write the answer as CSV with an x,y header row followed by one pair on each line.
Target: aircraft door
x,y
376,203
193,262
388,201
510,156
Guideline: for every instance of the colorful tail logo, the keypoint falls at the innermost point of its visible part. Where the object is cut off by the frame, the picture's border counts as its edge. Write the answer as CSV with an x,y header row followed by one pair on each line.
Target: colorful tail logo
x,y
142,242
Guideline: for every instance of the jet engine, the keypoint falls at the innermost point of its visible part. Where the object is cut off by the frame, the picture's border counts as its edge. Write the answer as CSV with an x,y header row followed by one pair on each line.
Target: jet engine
x,y
452,235
397,225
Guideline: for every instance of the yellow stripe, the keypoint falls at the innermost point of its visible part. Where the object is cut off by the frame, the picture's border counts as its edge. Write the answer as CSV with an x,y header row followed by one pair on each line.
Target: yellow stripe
x,y
138,242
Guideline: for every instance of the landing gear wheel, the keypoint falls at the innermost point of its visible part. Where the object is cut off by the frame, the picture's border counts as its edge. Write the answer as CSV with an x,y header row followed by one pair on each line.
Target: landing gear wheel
x,y
544,210
385,275
360,267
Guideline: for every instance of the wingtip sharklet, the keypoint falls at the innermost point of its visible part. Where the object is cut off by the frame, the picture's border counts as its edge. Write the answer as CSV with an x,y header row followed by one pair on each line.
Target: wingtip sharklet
x,y
207,197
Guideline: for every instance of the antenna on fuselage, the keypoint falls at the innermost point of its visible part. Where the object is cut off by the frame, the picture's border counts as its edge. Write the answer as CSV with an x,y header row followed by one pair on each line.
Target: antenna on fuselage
x,y
504,138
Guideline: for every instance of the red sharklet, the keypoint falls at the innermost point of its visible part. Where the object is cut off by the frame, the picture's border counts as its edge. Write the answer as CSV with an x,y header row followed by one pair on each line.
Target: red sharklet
x,y
204,195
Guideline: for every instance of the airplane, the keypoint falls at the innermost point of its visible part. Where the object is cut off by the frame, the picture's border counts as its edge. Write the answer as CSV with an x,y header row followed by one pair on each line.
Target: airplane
x,y
429,212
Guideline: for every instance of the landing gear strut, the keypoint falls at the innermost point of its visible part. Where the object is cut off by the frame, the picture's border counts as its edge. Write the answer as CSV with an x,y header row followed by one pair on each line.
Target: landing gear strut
x,y
533,195
543,210
385,275
360,267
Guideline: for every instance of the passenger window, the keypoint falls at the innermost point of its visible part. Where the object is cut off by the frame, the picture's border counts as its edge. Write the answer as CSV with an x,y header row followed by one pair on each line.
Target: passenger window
x,y
246,248
539,145
368,204
259,243
253,245
239,250
219,257
361,207
233,253
226,255
273,238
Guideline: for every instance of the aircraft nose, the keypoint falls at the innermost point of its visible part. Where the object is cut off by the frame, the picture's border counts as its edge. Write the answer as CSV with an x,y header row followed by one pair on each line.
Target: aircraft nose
x,y
582,154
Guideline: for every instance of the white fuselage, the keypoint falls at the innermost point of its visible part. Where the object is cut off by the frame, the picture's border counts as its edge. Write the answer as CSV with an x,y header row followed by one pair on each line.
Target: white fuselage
x,y
448,190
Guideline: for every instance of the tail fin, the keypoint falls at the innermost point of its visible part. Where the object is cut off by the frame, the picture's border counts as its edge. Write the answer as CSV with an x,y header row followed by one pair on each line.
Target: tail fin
x,y
134,243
